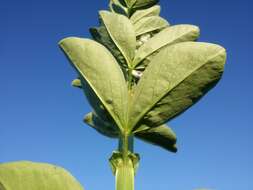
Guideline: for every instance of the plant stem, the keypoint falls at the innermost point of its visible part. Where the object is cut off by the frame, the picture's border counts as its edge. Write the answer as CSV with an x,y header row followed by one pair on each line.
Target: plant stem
x,y
125,175
130,78
126,145
125,170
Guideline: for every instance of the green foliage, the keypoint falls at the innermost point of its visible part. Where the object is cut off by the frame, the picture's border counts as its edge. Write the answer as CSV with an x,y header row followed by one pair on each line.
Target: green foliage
x,y
165,70
105,127
169,36
138,73
140,14
144,3
130,3
125,40
162,136
35,176
149,24
101,77
175,78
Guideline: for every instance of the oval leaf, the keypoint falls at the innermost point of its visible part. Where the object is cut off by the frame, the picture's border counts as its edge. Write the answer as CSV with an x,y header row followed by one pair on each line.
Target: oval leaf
x,y
100,114
106,128
162,136
102,36
76,83
149,24
169,69
116,6
100,75
130,3
170,35
152,11
36,176
121,32
144,3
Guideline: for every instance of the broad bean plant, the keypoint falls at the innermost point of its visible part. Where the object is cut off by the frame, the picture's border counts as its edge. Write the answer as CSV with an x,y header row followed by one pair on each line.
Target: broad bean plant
x,y
138,72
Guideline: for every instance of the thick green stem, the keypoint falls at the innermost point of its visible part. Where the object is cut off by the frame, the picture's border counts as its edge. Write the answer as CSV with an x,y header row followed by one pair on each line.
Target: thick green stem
x,y
125,171
124,175
126,145
124,164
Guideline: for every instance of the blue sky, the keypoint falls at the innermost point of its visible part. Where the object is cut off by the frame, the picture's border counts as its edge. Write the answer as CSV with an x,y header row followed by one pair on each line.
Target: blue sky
x,y
41,114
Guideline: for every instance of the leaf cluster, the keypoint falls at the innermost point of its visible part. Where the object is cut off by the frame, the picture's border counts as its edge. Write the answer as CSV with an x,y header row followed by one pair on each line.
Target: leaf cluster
x,y
139,72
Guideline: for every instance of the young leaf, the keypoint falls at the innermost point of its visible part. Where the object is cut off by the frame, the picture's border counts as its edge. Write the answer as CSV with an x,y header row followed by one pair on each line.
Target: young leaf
x,y
100,75
152,11
162,136
121,32
106,128
144,3
35,176
149,24
170,74
130,3
102,36
168,36
116,6
76,83
100,114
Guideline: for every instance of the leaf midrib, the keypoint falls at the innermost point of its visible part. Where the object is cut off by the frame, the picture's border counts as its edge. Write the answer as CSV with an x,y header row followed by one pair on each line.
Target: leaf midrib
x,y
119,124
161,97
115,42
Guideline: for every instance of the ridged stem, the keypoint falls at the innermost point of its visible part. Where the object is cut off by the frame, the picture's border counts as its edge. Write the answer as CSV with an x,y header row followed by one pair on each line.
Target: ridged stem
x,y
124,175
124,164
125,171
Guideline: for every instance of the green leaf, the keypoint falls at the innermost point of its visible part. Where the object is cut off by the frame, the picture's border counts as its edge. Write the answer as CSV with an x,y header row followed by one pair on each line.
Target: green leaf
x,y
149,24
174,80
100,114
144,3
117,6
100,76
2,187
139,14
101,35
121,32
169,36
162,136
130,3
104,127
35,176
76,83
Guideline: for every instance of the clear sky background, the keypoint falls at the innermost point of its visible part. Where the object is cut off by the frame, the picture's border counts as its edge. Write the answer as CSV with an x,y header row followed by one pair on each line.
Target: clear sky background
x,y
41,114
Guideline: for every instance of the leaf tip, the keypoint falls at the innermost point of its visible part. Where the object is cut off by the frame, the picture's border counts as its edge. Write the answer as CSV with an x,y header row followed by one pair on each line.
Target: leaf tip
x,y
76,83
174,148
66,41
87,118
